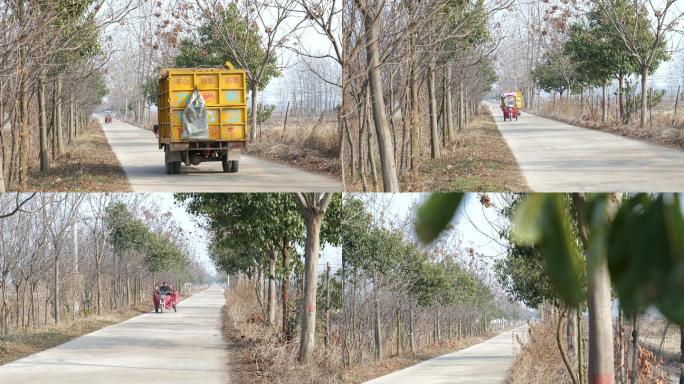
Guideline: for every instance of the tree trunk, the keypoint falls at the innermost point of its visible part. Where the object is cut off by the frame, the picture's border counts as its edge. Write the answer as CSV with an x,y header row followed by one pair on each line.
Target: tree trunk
x,y
581,375
604,114
461,104
389,170
564,355
98,287
253,124
42,123
449,106
72,126
376,322
601,356
412,337
621,96
327,305
398,316
432,103
413,91
622,366
352,153
2,143
601,359
284,291
681,354
311,254
57,119
570,331
271,288
644,95
635,349
371,155
23,121
55,292
438,328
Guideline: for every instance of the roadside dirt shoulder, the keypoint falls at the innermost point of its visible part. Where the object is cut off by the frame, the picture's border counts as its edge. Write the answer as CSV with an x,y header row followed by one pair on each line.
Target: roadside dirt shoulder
x,y
479,160
89,165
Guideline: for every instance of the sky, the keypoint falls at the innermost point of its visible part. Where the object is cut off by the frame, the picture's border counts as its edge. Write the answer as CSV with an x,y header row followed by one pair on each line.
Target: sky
x,y
472,221
330,254
668,75
308,40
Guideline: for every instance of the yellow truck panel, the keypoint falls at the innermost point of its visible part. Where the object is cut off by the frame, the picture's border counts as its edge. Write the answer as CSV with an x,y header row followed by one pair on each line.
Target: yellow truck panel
x,y
224,93
519,99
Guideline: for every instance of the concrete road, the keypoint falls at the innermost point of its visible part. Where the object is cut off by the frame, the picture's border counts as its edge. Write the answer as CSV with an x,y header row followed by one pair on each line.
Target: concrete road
x,y
487,362
558,157
184,347
143,162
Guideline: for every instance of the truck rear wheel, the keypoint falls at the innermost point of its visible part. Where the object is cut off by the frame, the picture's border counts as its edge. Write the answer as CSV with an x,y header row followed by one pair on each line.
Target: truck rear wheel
x,y
230,166
173,167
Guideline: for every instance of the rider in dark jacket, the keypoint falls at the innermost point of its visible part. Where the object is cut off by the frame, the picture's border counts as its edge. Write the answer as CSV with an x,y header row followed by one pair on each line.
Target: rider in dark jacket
x,y
165,288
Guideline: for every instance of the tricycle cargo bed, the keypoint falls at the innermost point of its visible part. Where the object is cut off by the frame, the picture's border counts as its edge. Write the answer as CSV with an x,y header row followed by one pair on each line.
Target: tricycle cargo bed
x,y
223,91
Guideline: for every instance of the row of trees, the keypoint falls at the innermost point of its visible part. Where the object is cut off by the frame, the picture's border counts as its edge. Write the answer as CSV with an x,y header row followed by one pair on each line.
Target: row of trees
x,y
609,41
65,256
413,74
588,246
264,38
400,297
258,236
51,79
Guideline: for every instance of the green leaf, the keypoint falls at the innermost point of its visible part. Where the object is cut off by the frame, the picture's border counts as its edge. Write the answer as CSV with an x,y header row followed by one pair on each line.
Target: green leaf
x,y
435,214
526,228
646,255
542,220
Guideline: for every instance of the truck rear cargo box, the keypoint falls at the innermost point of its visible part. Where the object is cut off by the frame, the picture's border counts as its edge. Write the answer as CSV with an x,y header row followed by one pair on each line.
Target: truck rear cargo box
x,y
224,94
223,91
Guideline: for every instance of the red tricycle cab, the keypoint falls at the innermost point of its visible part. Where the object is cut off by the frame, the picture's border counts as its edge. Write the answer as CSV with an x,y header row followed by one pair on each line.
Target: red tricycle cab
x,y
164,300
511,104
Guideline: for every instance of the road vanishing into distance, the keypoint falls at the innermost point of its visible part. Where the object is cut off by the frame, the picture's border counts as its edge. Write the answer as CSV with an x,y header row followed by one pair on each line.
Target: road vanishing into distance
x,y
487,362
559,157
183,347
143,162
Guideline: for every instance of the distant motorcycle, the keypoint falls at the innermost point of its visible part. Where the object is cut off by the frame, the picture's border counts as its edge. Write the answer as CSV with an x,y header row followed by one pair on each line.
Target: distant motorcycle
x,y
164,300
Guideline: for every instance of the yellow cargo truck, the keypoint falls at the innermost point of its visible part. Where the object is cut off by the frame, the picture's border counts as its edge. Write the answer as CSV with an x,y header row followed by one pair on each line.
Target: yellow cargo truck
x,y
223,91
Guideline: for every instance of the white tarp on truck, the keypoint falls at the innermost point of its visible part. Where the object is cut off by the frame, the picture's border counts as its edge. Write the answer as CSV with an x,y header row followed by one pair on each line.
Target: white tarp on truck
x,y
195,125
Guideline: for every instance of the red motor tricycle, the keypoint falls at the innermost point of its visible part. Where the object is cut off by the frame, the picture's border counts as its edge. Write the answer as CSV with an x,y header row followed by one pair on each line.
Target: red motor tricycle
x,y
511,105
164,300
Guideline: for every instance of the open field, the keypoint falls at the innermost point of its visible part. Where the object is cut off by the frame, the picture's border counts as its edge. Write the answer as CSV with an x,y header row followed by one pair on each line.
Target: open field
x,y
307,142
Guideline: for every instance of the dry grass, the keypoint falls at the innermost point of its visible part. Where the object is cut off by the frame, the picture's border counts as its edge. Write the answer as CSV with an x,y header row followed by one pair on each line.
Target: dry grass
x,y
260,355
89,165
540,361
479,160
372,369
659,130
17,345
308,144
